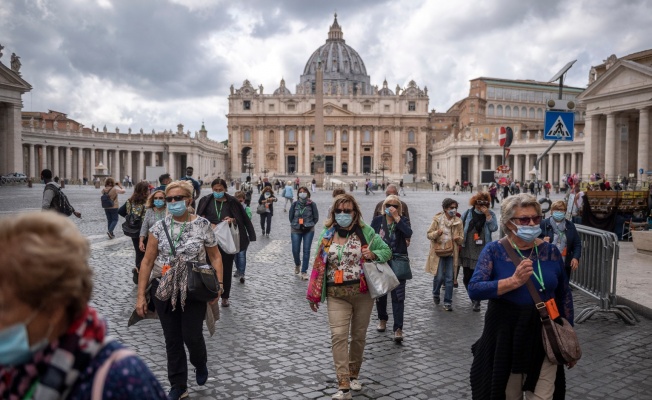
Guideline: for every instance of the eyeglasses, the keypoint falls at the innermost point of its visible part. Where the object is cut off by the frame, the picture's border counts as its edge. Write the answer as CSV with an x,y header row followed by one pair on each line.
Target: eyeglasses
x,y
345,211
481,202
170,199
526,220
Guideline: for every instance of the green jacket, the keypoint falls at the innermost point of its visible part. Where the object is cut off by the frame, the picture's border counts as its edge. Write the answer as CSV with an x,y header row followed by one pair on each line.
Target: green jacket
x,y
376,244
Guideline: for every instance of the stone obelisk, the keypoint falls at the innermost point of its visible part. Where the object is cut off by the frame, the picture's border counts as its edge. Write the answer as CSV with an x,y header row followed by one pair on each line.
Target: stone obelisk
x,y
318,154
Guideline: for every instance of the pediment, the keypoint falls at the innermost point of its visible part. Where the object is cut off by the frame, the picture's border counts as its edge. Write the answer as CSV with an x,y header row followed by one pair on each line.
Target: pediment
x,y
331,110
624,76
12,81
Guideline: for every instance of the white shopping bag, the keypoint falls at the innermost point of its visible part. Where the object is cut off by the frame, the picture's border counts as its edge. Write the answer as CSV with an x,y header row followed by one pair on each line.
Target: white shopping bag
x,y
225,238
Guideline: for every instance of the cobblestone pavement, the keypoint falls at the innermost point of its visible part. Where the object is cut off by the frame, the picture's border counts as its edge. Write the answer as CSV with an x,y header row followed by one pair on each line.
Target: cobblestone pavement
x,y
269,345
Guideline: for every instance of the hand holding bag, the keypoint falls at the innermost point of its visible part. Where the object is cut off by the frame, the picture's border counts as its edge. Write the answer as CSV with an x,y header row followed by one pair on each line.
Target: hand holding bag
x,y
235,232
261,209
379,277
560,340
225,238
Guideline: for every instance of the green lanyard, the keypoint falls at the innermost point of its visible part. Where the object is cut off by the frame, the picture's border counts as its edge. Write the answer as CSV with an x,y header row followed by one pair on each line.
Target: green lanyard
x,y
301,210
339,252
30,392
219,213
391,228
175,242
538,277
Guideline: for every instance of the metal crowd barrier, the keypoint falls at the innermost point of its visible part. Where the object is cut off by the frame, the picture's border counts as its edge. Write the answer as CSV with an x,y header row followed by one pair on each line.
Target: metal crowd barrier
x,y
597,274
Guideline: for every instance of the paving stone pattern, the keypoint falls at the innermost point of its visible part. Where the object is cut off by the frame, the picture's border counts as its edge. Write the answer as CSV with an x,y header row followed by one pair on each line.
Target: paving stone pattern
x,y
270,345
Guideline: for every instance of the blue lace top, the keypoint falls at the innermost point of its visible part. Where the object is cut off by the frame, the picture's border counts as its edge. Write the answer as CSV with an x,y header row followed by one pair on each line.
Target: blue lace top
x,y
494,264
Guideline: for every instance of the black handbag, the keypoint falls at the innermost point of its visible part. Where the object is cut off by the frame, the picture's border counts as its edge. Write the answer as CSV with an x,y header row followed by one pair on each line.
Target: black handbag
x,y
400,264
133,223
202,278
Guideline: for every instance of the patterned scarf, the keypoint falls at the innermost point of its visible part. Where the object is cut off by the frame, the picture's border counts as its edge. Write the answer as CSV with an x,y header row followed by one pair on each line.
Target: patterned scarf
x,y
53,371
174,283
316,293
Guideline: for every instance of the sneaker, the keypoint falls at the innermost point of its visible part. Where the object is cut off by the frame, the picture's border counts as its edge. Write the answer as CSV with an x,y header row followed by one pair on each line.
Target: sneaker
x,y
242,280
297,269
398,336
135,275
202,375
342,395
437,300
476,305
236,274
355,384
178,392
382,326
304,276
448,307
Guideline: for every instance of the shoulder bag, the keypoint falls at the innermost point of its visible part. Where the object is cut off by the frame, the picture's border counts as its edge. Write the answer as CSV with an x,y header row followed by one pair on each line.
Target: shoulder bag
x,y
400,264
133,223
225,239
560,340
202,278
379,277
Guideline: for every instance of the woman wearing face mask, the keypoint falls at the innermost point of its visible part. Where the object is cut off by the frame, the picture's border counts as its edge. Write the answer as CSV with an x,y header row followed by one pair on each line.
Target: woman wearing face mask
x,y
303,218
445,232
563,234
136,204
267,198
46,318
512,325
479,222
344,244
220,206
181,317
155,212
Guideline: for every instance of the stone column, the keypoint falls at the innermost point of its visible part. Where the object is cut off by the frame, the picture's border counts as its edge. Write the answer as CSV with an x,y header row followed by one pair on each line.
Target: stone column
x,y
55,161
235,150
300,162
573,162
32,163
93,165
143,166
351,169
338,152
591,140
376,160
80,164
517,171
610,148
492,164
643,156
14,150
281,151
306,151
115,170
475,171
260,148
549,176
358,149
130,169
396,157
172,165
68,173
562,165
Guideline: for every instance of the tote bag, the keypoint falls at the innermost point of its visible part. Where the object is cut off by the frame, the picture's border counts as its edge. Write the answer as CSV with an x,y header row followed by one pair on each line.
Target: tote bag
x,y
225,238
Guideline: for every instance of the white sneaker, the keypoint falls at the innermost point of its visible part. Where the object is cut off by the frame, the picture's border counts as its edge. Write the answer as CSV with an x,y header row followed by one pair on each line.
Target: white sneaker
x,y
340,395
304,276
356,385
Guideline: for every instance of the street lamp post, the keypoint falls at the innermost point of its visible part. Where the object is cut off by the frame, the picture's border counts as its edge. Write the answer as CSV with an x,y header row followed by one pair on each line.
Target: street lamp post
x,y
249,166
264,171
383,168
376,173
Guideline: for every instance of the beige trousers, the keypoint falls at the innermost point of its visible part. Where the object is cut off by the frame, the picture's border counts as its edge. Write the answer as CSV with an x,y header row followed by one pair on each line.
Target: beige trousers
x,y
545,384
348,316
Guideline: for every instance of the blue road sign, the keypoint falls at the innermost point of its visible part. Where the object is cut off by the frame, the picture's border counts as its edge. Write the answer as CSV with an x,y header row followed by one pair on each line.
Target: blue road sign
x,y
559,126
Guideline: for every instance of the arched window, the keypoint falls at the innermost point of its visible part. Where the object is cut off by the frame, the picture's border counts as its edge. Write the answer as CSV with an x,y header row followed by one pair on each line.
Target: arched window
x,y
539,113
246,136
367,136
523,112
271,137
490,110
499,111
411,137
345,136
515,112
531,115
292,136
329,135
386,137
508,111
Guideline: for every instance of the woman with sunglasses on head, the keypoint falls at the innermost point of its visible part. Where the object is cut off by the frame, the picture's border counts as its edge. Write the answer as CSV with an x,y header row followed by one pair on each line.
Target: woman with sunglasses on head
x,y
512,323
303,218
337,275
396,231
479,222
219,206
445,234
268,199
176,239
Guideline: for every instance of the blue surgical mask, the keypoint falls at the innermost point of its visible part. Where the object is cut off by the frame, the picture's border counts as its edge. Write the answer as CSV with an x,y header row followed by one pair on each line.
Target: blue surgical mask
x,y
475,210
344,220
452,212
528,233
303,195
218,195
177,208
158,203
558,215
267,195
388,211
14,343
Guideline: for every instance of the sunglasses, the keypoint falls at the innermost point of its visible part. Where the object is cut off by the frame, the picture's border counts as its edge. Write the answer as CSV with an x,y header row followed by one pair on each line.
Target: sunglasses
x,y
170,199
345,211
526,220
481,202
392,205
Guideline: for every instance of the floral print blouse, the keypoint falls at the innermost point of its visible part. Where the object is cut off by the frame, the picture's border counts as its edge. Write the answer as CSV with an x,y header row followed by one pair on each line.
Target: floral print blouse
x,y
351,253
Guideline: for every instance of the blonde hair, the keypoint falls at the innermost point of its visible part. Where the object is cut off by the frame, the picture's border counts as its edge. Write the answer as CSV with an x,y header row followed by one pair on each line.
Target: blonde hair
x,y
44,259
341,199
239,195
185,187
510,204
558,205
392,198
150,199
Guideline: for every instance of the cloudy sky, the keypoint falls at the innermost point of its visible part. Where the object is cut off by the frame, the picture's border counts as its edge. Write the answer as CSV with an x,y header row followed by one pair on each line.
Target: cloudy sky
x,y
155,63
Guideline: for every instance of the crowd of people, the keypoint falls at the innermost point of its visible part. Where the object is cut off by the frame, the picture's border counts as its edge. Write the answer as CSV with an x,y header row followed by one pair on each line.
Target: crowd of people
x,y
173,232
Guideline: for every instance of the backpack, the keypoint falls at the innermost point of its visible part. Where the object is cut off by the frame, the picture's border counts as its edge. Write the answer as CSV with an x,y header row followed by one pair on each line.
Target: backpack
x,y
133,222
60,201
106,200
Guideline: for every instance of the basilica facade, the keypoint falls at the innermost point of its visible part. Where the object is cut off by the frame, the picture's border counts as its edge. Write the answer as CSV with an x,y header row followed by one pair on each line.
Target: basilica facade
x,y
368,128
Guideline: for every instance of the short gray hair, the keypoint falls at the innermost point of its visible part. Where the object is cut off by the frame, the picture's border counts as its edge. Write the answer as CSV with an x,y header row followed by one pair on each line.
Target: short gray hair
x,y
392,187
511,203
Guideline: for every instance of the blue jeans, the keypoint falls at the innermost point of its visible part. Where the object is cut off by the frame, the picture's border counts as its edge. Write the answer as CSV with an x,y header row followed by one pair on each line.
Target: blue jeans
x,y
296,244
444,274
241,262
111,218
398,306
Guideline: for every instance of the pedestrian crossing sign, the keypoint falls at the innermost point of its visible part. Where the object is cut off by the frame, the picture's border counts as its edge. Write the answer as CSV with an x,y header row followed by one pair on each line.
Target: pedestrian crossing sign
x,y
559,125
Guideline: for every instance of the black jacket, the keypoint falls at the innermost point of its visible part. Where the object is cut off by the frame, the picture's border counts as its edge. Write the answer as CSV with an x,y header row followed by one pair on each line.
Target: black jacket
x,y
246,228
403,232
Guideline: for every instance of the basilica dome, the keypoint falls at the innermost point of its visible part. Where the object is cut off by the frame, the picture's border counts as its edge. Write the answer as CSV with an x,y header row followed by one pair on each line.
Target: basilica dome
x,y
344,70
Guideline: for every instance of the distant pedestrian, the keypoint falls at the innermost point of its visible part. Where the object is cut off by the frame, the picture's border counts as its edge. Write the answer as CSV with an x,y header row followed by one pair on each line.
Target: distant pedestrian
x,y
267,199
241,257
445,234
493,192
314,185
163,180
402,190
380,209
53,197
303,219
112,189
288,195
196,187
155,211
135,208
248,190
